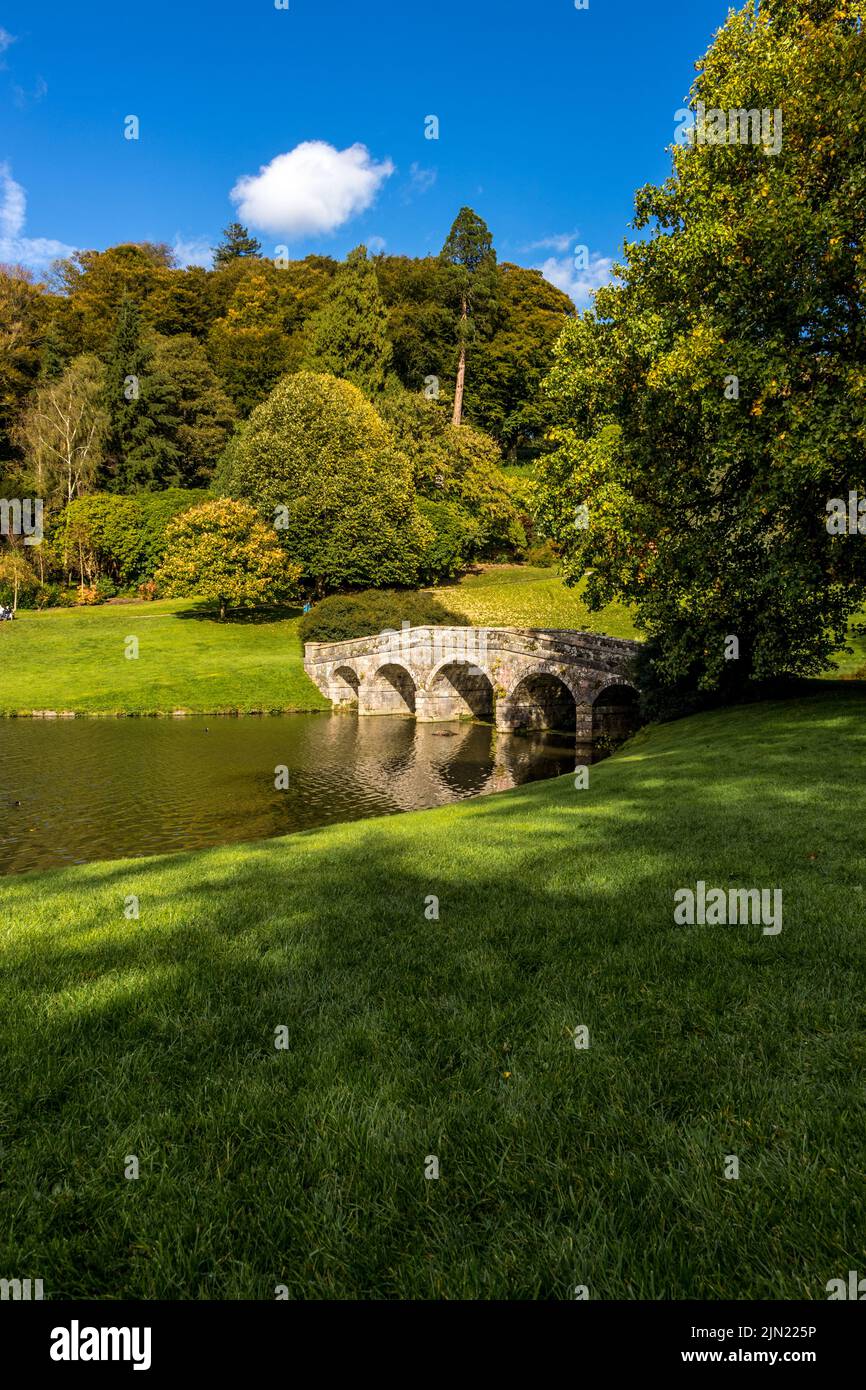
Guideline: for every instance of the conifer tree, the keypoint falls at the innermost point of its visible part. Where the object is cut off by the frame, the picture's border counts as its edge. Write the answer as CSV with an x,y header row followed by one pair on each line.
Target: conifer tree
x,y
349,333
468,253
236,243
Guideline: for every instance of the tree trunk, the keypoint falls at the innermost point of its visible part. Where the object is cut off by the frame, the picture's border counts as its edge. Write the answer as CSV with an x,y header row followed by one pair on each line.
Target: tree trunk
x,y
457,418
222,610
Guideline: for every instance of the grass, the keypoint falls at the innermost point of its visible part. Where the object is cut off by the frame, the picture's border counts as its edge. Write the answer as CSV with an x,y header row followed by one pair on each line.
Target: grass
x,y
530,596
409,1037
74,659
852,664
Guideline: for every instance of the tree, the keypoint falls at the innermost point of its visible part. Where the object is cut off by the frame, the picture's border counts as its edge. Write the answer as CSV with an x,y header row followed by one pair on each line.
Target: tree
x,y
236,243
202,415
251,346
320,463
715,399
15,574
92,285
348,337
469,253
504,394
62,432
142,448
221,551
457,465
21,329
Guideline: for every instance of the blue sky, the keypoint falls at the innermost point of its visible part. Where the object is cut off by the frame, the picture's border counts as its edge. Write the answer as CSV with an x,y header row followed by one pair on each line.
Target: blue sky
x,y
549,118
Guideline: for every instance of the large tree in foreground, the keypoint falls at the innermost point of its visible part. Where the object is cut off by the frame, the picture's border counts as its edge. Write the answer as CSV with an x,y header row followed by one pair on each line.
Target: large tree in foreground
x,y
716,398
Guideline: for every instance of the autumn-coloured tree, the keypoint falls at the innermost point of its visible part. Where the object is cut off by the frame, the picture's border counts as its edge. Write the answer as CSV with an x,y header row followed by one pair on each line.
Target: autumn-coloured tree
x,y
222,552
62,432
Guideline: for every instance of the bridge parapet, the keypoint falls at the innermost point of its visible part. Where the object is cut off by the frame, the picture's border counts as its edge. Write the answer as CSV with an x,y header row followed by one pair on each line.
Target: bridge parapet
x,y
524,677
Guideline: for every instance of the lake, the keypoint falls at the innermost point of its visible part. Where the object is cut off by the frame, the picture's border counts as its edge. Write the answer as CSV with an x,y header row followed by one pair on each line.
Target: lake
x,y
77,790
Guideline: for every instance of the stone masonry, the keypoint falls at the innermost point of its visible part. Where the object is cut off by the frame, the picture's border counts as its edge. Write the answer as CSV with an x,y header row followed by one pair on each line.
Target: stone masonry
x,y
523,678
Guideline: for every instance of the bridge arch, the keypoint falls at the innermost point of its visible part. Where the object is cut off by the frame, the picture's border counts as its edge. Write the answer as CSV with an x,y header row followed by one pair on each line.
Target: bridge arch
x,y
457,689
390,689
541,699
615,710
344,685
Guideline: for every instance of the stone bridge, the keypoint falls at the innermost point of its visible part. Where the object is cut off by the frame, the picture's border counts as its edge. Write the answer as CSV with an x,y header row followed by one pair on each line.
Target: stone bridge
x,y
523,678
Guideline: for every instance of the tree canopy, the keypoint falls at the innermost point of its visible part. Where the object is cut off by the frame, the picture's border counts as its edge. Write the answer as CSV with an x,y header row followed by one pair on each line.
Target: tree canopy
x,y
714,399
320,464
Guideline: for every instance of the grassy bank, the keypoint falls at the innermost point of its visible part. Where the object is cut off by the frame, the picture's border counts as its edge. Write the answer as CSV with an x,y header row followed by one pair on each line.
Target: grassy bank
x,y
74,659
408,1037
530,596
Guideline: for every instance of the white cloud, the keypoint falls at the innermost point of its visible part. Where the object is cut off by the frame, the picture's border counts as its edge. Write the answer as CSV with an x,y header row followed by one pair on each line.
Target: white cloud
x,y
559,242
314,188
13,205
578,284
194,250
24,99
6,41
37,252
376,245
422,180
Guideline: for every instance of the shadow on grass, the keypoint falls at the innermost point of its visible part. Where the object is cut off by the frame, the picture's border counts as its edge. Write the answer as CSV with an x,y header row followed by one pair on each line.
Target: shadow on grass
x,y
248,617
409,1037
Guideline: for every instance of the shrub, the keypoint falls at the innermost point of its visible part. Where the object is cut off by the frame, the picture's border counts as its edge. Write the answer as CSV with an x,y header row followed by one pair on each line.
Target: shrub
x,y
105,588
542,554
458,464
118,537
343,616
48,596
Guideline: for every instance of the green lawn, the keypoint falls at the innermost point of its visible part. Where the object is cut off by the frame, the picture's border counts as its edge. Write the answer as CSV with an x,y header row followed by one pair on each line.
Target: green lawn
x,y
530,596
409,1038
73,659
854,664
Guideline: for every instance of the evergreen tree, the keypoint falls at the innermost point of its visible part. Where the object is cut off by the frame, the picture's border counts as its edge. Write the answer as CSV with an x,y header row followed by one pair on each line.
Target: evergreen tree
x,y
53,358
348,336
236,243
469,254
141,451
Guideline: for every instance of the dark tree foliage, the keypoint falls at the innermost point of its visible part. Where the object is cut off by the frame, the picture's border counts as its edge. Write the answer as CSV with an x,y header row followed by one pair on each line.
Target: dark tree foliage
x,y
236,243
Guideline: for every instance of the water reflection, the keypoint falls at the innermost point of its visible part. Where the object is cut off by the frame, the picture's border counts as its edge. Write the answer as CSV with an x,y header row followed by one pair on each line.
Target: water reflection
x,y
73,791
